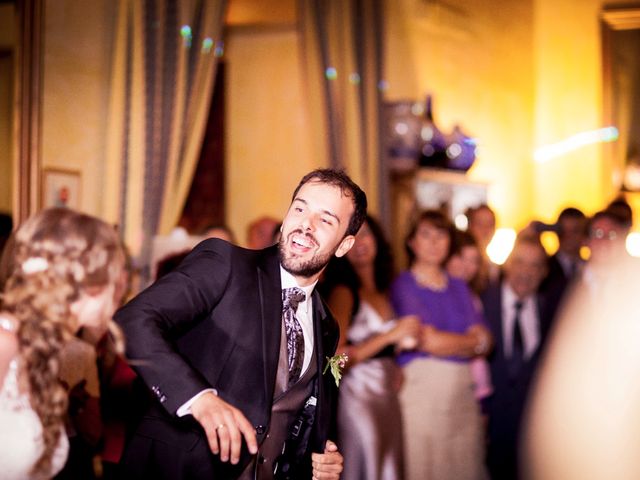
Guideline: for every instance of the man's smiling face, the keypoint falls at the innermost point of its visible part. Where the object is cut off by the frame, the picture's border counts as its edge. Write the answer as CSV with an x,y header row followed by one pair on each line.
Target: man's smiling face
x,y
314,230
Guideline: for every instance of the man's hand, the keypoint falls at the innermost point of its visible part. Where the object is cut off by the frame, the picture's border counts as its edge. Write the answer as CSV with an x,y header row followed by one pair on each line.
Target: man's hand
x,y
225,426
327,465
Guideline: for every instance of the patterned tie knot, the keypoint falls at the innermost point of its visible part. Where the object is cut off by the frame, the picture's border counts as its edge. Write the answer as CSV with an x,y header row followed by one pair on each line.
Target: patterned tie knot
x,y
291,297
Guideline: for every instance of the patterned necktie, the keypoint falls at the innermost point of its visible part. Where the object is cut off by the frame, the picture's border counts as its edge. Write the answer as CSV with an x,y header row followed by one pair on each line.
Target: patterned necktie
x,y
291,297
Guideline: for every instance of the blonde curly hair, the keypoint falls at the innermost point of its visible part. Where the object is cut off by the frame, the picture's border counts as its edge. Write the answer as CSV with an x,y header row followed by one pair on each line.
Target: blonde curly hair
x,y
50,260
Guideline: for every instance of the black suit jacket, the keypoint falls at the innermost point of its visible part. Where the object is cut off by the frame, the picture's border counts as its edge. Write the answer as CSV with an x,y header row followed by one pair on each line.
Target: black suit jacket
x,y
215,322
506,405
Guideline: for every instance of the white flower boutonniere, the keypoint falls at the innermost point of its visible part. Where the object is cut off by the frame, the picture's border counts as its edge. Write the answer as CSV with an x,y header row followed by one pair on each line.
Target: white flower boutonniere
x,y
336,363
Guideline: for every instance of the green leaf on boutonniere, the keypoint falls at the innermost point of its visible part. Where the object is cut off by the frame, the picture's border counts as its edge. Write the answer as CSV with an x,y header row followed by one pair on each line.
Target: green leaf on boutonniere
x,y
336,364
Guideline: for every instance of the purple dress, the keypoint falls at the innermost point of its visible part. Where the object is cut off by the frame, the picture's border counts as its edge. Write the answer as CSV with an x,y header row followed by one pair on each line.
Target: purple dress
x,y
450,309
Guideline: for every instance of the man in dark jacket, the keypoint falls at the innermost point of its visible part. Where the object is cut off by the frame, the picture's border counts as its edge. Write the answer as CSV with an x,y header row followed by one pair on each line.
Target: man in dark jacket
x,y
519,319
239,384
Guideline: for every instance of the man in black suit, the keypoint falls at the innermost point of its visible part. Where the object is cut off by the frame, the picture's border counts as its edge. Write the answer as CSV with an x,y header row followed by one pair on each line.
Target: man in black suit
x,y
519,320
210,342
566,263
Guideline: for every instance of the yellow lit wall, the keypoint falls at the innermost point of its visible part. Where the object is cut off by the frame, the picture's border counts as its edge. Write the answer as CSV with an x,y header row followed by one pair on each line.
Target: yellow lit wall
x,y
7,58
476,58
569,100
77,55
268,142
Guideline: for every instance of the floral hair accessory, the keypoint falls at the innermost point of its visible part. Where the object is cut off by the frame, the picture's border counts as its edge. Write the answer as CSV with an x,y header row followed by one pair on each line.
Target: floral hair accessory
x,y
34,265
336,363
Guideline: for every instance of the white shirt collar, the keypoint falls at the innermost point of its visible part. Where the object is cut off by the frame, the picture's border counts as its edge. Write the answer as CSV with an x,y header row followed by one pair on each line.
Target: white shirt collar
x,y
510,296
287,281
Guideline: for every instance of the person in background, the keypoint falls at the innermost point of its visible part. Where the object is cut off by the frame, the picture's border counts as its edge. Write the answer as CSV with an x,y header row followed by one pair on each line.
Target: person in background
x,y
607,233
79,375
369,417
481,224
221,231
6,227
117,383
62,271
465,260
441,419
566,264
583,422
623,211
520,319
464,263
260,232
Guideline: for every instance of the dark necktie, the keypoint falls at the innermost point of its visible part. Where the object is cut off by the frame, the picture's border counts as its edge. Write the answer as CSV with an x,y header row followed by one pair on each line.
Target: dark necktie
x,y
291,297
517,345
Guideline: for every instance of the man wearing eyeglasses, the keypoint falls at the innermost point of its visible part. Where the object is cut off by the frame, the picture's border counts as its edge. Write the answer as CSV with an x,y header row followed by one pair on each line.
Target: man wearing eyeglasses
x,y
607,234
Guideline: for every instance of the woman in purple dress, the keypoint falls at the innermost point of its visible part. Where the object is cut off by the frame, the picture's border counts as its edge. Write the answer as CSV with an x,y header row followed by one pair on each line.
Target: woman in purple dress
x,y
442,423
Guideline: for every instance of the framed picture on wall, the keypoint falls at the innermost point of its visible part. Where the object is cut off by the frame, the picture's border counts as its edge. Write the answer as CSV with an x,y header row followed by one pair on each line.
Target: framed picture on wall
x,y
61,188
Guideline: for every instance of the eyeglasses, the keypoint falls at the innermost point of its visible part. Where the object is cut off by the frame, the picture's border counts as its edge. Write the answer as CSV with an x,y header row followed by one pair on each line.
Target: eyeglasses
x,y
600,234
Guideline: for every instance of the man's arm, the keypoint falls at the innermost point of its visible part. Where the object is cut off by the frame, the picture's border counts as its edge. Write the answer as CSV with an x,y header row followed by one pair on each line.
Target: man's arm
x,y
150,322
224,426
174,303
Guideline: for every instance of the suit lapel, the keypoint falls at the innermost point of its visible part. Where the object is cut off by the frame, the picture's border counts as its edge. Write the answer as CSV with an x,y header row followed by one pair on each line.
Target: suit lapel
x,y
270,288
326,341
494,314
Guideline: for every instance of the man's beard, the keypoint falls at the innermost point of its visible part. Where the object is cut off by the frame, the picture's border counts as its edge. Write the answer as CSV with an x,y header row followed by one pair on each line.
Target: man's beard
x,y
302,268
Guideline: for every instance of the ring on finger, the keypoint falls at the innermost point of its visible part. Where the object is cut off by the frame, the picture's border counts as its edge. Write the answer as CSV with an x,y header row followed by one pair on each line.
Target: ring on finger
x,y
222,425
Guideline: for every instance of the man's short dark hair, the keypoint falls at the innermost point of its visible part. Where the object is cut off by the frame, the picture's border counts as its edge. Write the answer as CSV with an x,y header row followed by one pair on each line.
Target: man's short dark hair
x,y
348,187
609,215
571,212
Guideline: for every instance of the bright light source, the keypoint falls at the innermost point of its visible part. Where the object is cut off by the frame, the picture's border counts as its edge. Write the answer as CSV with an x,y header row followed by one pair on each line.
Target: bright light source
x,y
585,253
461,221
550,242
632,244
501,245
548,152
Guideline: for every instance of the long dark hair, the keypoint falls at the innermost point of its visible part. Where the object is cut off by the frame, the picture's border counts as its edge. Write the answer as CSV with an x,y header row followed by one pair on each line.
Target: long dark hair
x,y
339,271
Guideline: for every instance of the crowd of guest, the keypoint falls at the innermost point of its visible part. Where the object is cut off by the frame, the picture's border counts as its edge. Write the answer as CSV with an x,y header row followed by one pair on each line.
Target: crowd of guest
x,y
464,387
443,356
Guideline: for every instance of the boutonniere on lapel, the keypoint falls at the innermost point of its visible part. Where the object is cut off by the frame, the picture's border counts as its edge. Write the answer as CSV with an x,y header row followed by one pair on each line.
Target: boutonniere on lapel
x,y
336,364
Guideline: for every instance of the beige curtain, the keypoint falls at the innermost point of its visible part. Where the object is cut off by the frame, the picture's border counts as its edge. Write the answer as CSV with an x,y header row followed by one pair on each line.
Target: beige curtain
x,y
342,55
164,62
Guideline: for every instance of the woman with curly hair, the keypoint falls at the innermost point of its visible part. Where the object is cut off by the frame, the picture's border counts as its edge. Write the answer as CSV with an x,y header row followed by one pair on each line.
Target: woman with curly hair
x,y
62,271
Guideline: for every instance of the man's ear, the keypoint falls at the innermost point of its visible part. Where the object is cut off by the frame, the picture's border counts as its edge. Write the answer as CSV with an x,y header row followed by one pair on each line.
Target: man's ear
x,y
345,245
